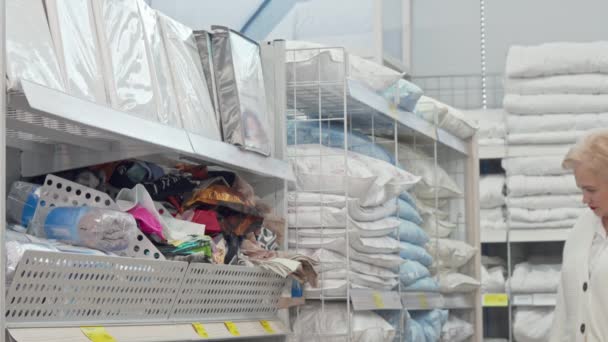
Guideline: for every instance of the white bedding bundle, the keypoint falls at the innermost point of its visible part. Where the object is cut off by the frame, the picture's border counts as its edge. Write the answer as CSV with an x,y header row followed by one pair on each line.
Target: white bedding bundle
x,y
492,200
492,128
555,92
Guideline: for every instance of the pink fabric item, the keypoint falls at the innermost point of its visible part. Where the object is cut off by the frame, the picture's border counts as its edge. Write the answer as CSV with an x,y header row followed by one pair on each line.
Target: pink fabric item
x,y
147,223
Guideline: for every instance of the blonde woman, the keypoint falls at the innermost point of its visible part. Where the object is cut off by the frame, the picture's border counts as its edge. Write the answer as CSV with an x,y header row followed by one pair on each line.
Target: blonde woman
x,y
582,305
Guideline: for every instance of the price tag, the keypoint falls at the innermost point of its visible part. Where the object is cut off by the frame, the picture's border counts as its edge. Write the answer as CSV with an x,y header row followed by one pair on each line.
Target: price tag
x,y
392,108
378,300
495,300
522,300
200,330
424,302
97,334
234,331
267,327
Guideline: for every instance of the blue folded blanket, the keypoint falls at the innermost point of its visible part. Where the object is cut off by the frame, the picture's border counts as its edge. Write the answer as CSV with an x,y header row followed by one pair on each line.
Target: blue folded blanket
x,y
411,271
412,252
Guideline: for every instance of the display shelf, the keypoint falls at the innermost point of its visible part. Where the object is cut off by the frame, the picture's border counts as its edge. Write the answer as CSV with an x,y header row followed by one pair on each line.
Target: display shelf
x,y
492,151
536,150
215,331
428,301
538,235
534,299
79,133
493,236
362,103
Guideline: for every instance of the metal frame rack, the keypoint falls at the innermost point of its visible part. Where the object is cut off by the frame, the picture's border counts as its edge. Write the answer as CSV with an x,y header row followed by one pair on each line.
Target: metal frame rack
x,y
319,100
54,295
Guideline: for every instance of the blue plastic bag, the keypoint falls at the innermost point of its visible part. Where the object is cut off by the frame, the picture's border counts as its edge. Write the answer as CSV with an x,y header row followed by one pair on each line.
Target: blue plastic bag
x,y
410,251
427,284
412,233
409,199
411,271
408,213
406,92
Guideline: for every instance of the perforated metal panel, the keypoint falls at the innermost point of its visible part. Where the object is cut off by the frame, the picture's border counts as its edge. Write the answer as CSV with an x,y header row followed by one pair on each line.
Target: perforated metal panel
x,y
212,292
59,192
56,287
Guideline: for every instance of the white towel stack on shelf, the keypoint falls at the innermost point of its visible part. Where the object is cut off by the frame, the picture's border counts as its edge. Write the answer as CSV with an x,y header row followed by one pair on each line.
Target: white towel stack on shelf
x,y
319,214
540,193
492,127
491,202
555,92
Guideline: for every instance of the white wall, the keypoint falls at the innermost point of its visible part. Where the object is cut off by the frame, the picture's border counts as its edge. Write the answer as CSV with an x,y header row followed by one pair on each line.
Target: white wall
x,y
201,14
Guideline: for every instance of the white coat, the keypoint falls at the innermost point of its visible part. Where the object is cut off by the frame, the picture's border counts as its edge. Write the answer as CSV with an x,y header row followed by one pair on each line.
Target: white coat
x,y
581,313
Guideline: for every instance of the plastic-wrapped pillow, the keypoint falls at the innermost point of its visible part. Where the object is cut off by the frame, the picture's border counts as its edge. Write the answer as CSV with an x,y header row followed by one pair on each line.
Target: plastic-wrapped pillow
x,y
411,271
369,214
311,217
437,227
377,245
423,165
410,251
493,279
383,260
408,212
456,330
408,199
491,191
427,284
450,282
406,93
333,318
311,199
412,233
431,322
450,253
414,331
532,324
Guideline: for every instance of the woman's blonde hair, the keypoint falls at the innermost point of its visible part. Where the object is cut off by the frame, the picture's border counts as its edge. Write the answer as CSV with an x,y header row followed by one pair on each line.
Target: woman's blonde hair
x,y
591,150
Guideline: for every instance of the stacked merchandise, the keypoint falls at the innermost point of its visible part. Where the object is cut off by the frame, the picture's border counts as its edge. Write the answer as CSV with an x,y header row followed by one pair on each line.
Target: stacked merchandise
x,y
184,213
491,202
446,117
117,54
493,271
540,193
555,92
492,128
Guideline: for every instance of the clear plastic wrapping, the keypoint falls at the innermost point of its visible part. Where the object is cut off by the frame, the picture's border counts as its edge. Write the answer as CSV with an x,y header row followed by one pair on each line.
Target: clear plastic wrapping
x,y
29,46
241,93
203,42
75,38
162,80
107,230
196,107
21,203
127,69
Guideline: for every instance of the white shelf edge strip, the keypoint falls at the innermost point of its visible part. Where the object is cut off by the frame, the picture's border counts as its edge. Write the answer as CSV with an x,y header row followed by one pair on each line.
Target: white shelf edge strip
x,y
155,333
492,151
538,235
534,299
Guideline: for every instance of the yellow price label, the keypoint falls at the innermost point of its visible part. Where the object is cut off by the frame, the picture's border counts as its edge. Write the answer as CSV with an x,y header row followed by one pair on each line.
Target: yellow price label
x,y
392,108
267,327
234,331
97,334
200,330
495,299
378,300
424,302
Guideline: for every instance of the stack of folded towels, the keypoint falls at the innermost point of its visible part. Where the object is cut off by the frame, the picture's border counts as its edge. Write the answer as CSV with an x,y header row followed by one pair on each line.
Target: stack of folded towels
x,y
555,92
540,193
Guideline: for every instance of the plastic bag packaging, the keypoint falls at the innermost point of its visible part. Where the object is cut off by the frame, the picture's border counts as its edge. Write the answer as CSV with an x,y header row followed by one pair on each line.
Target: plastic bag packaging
x,y
416,253
431,322
374,245
75,37
406,93
106,230
450,282
410,232
408,212
456,330
160,68
311,199
196,107
127,69
332,318
493,279
204,44
427,284
532,324
451,254
412,271
21,203
29,47
241,90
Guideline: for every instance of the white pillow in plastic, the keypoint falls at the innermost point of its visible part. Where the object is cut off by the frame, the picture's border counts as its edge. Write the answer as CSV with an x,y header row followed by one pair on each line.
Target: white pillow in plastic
x,y
450,253
327,287
333,244
162,79
318,168
456,330
495,214
423,165
373,282
311,217
450,282
535,278
311,199
195,105
378,228
375,76
75,37
29,47
318,232
125,60
332,319
328,260
390,261
381,245
532,324
491,191
370,214
493,279
331,261
437,228
449,118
